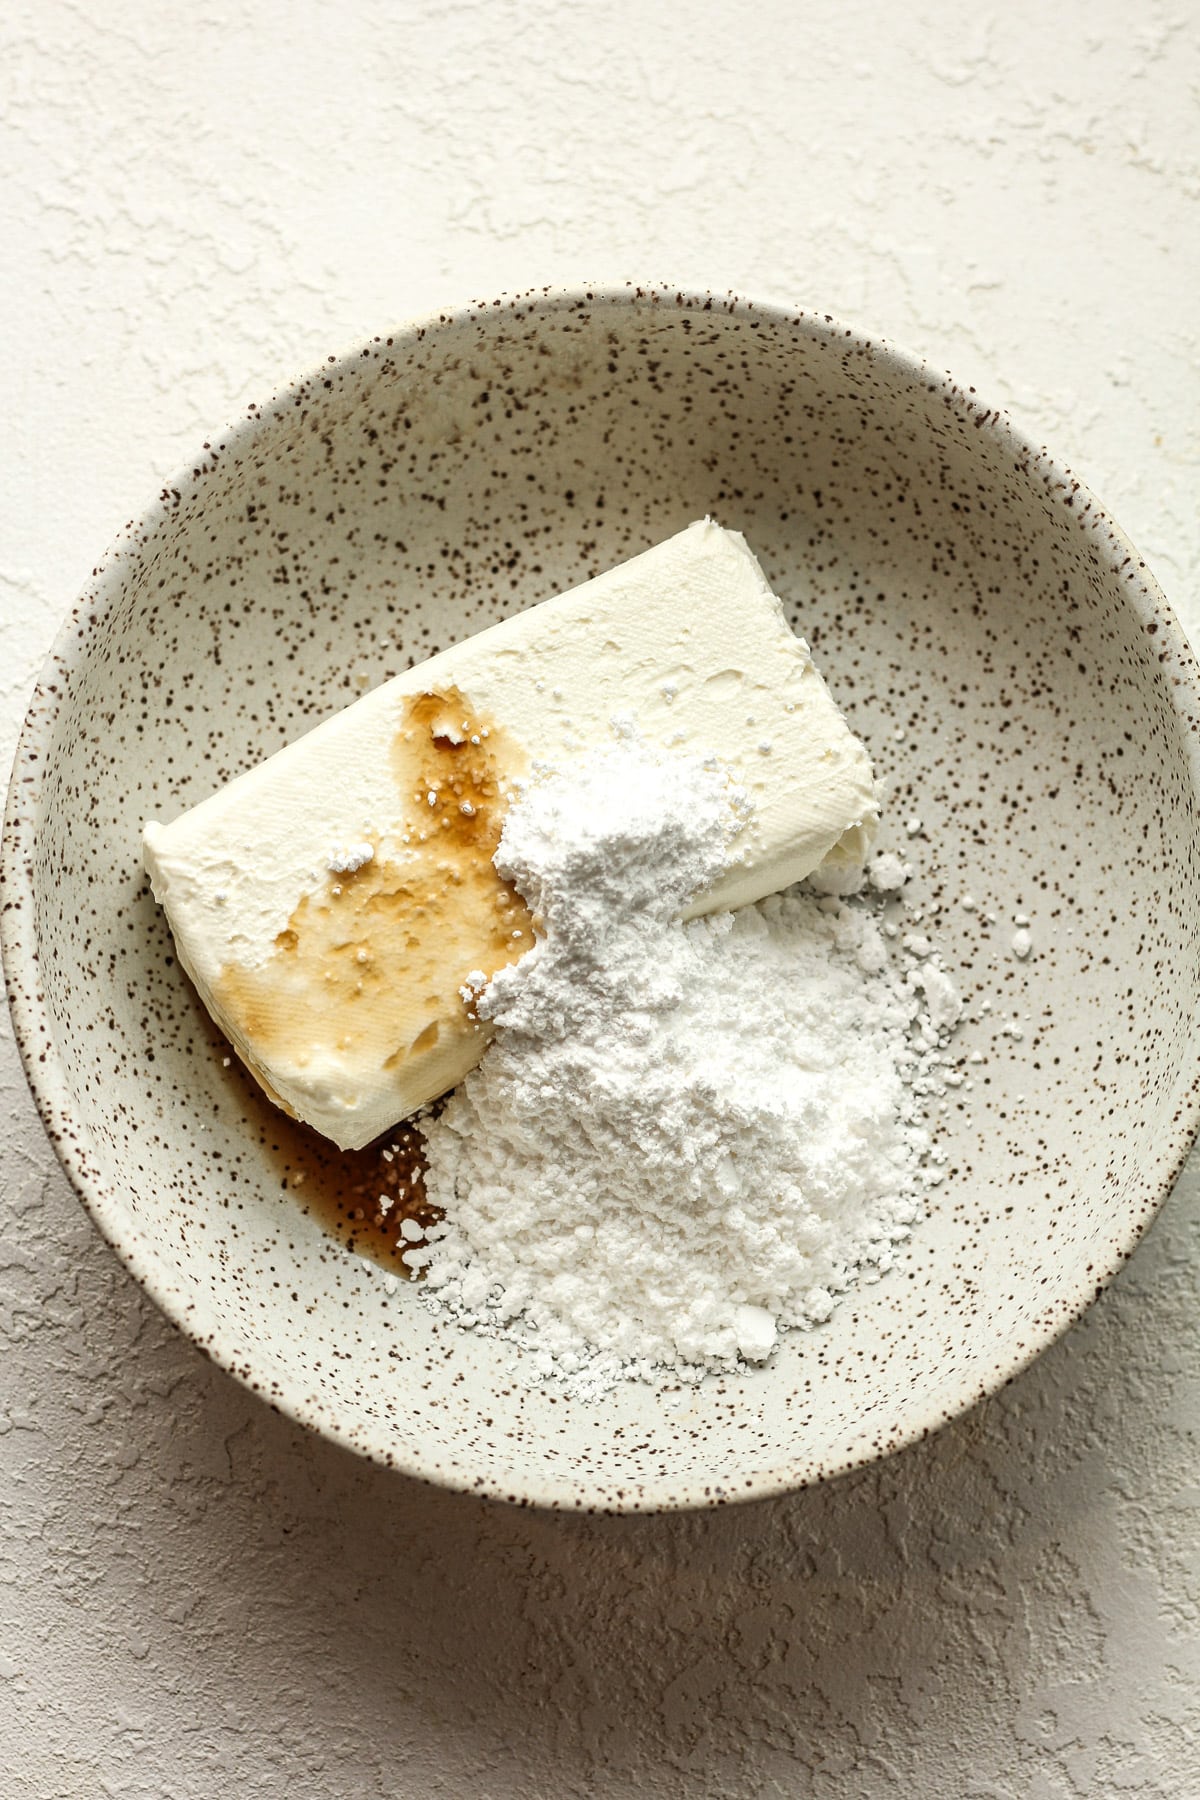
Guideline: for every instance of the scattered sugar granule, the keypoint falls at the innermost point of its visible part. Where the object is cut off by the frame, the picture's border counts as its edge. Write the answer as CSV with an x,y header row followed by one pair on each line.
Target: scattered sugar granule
x,y
1022,943
348,859
887,874
684,1137
941,997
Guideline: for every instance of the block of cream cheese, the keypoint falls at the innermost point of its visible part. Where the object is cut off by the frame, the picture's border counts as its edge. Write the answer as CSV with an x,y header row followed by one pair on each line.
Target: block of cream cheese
x,y
330,903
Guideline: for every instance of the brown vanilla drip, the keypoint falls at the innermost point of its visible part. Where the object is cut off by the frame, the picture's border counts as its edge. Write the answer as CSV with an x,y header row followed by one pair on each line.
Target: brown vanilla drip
x,y
343,1191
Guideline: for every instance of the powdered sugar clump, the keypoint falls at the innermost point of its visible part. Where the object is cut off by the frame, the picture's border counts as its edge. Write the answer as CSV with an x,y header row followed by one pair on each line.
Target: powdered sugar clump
x,y
684,1137
350,858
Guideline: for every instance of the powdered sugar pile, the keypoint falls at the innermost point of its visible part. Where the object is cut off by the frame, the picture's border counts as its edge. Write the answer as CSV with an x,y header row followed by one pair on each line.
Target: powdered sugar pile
x,y
685,1137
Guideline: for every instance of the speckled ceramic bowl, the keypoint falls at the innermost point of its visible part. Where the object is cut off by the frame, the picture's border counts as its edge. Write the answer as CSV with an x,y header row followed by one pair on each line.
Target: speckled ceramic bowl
x,y
989,632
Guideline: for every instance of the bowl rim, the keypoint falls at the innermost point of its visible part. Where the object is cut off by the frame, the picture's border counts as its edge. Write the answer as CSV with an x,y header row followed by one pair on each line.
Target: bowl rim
x,y
45,1072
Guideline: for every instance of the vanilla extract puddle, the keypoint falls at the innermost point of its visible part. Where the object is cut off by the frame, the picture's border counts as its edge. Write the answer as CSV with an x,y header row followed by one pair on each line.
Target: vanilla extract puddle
x,y
360,1197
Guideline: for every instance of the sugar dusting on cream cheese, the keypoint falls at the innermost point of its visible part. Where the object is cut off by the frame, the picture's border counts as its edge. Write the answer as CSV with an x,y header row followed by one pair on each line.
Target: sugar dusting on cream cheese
x,y
349,869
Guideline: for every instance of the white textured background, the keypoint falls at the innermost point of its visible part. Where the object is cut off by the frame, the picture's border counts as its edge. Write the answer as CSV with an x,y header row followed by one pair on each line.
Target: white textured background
x,y
197,1600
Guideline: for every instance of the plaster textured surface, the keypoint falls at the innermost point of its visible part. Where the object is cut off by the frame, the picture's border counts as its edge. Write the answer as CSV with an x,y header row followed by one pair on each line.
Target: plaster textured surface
x,y
196,1597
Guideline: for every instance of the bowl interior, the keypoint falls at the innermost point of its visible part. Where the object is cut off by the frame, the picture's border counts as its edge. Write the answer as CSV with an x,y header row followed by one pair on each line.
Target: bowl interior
x,y
984,629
